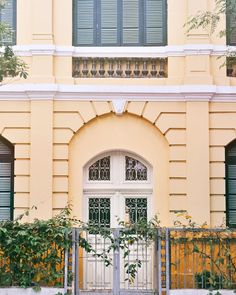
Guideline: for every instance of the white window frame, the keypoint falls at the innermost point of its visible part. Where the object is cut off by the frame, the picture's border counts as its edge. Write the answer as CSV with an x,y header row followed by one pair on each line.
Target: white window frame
x,y
117,189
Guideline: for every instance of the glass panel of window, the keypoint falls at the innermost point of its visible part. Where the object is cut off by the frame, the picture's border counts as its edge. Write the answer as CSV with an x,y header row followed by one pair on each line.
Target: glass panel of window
x,y
136,208
8,17
100,170
231,22
99,212
135,170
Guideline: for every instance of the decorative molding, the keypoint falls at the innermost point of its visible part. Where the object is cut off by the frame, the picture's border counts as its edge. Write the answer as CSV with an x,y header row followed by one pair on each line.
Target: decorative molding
x,y
140,51
118,94
119,106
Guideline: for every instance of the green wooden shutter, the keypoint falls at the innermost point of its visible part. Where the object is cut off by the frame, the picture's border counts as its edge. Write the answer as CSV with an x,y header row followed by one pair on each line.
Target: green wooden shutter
x,y
8,16
231,185
231,22
6,181
108,18
84,29
155,22
131,22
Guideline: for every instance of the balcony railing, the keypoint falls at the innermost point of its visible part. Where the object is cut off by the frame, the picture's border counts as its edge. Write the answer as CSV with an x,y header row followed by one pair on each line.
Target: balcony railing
x,y
119,67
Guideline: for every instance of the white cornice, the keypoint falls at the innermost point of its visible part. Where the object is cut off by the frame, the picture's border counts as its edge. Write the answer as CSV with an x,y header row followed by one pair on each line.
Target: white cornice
x,y
145,52
119,93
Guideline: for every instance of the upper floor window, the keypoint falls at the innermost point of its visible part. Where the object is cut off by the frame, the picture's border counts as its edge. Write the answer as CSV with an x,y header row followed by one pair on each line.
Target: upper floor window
x,y
230,159
8,18
231,22
6,179
120,22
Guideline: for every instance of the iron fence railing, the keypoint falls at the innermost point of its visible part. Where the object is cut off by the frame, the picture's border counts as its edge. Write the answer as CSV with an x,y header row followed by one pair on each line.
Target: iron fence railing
x,y
202,259
176,259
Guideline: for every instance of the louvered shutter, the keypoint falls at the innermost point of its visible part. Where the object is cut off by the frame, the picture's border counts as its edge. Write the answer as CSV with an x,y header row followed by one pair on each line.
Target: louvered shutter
x,y
154,22
84,22
131,22
6,181
108,32
8,16
231,23
231,185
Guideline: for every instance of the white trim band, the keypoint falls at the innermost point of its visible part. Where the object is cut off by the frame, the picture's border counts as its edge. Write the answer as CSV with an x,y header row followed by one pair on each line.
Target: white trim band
x,y
144,52
112,92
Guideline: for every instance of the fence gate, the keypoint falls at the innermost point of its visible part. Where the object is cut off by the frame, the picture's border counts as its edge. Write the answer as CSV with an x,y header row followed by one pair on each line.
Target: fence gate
x,y
92,276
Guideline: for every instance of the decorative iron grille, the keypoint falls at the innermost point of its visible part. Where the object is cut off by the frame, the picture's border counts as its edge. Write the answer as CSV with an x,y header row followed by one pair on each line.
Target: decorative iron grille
x,y
99,212
134,170
100,170
136,208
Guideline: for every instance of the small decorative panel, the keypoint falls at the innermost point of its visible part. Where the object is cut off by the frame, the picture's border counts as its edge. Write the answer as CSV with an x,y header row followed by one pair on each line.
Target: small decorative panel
x,y
99,212
136,208
100,170
134,170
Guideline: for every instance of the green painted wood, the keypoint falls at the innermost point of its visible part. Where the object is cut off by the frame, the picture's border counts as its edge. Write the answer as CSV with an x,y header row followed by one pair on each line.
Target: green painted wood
x,y
109,24
6,179
85,22
119,22
131,22
230,180
155,22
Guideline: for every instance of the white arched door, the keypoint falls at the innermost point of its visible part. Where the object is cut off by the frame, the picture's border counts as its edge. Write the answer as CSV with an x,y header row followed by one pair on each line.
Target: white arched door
x,y
117,186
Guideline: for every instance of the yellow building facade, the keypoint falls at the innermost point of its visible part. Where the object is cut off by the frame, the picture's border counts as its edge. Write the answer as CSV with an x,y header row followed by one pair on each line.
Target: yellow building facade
x,y
62,120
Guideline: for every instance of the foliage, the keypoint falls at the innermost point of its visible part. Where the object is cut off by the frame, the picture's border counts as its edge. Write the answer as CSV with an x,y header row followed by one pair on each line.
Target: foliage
x,y
212,248
10,65
208,280
31,253
209,21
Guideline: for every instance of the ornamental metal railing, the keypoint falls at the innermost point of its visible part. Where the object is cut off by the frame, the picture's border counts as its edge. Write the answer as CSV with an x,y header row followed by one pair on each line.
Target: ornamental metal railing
x,y
99,67
176,259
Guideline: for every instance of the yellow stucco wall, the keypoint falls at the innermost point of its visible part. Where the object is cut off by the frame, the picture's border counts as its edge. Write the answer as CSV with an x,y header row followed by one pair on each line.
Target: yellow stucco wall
x,y
184,139
58,138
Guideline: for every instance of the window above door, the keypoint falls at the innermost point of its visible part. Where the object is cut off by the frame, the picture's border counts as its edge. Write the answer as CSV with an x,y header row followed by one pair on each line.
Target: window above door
x,y
120,23
117,169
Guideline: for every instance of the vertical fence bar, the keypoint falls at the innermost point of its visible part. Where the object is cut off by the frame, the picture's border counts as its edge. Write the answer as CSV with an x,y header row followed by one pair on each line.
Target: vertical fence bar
x,y
116,264
73,263
167,261
159,281
76,262
66,267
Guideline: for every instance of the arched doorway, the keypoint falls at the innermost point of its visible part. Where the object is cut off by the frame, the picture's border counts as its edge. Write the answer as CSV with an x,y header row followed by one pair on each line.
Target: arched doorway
x,y
132,135
117,185
118,167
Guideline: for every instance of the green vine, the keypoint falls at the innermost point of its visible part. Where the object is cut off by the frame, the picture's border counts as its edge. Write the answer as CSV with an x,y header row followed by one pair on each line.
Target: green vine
x,y
32,254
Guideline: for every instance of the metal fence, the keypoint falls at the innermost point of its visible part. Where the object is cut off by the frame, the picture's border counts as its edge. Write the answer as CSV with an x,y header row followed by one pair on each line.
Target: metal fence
x,y
202,259
176,259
